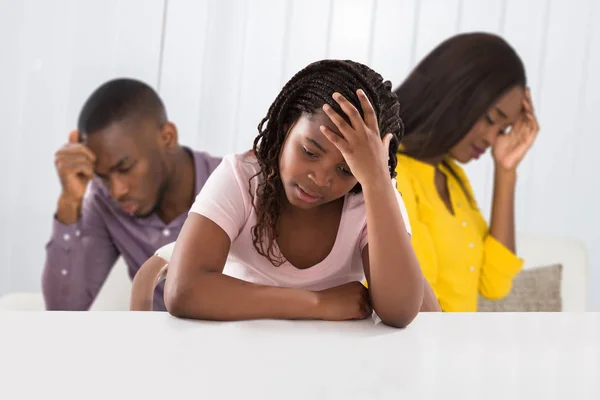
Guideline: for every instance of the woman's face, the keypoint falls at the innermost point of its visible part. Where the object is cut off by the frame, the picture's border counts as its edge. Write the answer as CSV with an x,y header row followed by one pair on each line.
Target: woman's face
x,y
497,120
312,170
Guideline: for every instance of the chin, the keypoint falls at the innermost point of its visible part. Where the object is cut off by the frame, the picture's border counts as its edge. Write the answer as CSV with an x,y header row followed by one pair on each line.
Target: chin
x,y
292,198
463,159
294,201
144,212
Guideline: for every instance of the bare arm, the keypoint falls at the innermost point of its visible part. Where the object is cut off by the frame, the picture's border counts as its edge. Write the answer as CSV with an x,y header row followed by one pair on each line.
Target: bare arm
x,y
502,225
508,152
196,287
396,284
391,266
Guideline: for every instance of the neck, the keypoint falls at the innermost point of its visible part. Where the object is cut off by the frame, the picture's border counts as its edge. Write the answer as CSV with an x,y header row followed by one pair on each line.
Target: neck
x,y
180,189
291,211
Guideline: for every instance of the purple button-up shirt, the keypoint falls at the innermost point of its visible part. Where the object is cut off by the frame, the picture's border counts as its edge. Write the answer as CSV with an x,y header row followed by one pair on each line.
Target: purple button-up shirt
x,y
80,256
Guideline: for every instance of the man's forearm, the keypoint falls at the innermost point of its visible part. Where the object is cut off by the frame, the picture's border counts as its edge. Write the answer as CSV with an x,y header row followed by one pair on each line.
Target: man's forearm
x,y
63,279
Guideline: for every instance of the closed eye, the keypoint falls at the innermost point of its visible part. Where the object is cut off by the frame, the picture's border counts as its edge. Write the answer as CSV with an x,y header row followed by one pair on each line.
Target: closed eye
x,y
124,170
308,152
346,171
489,119
506,130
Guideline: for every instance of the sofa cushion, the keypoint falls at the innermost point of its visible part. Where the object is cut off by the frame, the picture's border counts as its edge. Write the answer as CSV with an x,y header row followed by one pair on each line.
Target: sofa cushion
x,y
535,289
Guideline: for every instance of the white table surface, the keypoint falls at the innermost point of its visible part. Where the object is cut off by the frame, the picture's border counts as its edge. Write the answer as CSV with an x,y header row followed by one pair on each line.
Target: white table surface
x,y
124,355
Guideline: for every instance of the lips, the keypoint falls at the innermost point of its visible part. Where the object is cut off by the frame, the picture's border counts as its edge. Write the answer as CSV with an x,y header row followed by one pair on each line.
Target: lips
x,y
307,195
477,151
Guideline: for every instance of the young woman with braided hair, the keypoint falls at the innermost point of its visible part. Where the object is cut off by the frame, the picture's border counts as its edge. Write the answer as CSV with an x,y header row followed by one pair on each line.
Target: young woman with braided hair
x,y
306,215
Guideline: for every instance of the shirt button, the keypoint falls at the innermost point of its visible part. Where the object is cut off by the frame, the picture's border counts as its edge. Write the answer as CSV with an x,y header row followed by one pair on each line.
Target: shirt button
x,y
64,272
77,233
67,237
472,268
458,204
464,223
166,232
471,245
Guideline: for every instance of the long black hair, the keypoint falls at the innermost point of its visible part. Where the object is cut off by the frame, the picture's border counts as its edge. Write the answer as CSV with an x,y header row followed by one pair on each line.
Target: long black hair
x,y
452,88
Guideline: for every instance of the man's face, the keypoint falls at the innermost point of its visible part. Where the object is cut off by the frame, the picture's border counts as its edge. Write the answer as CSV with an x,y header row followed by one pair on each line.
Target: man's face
x,y
132,164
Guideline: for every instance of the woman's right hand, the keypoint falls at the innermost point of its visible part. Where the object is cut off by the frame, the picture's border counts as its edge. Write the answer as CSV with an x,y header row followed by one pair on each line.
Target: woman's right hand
x,y
510,149
344,302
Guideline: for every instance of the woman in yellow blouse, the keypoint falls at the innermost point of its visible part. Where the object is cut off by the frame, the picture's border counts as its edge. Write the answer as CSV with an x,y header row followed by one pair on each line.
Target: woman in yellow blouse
x,y
469,94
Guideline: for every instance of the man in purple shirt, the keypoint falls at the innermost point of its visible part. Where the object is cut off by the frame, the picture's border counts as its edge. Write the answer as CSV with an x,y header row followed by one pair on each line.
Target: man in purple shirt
x,y
141,186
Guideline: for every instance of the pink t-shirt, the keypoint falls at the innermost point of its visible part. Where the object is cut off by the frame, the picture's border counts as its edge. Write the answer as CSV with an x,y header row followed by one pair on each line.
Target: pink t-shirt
x,y
225,199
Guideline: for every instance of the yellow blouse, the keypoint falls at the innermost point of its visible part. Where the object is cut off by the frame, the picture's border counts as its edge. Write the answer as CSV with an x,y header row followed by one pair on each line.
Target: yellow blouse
x,y
458,256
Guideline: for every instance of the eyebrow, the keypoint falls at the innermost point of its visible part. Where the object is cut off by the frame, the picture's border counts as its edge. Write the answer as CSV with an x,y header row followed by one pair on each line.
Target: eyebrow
x,y
118,165
317,145
502,113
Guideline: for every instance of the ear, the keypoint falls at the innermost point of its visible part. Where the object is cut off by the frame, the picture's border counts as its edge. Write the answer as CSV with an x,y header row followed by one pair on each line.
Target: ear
x,y
168,138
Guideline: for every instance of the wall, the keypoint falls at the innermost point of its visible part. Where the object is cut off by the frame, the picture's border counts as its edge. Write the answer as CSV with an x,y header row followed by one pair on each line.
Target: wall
x,y
220,63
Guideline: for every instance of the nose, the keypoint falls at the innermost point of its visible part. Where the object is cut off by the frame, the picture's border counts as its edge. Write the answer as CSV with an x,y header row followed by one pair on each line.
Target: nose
x,y
118,187
320,178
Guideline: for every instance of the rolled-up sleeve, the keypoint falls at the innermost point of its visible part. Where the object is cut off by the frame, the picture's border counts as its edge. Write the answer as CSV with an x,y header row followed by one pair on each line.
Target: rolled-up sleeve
x,y
500,266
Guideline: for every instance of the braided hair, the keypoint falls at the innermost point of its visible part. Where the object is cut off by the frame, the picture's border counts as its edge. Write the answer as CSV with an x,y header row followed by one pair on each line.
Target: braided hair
x,y
307,92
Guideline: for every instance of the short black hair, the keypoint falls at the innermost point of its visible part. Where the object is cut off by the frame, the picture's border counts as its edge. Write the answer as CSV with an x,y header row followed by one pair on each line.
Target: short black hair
x,y
118,100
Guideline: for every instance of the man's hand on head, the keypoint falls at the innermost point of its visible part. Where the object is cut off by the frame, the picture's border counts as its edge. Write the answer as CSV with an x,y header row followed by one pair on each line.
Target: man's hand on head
x,y
75,166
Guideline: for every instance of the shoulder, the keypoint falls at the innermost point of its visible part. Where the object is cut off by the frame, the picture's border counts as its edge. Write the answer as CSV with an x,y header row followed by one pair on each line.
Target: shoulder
x,y
205,161
409,169
243,165
411,175
226,198
231,180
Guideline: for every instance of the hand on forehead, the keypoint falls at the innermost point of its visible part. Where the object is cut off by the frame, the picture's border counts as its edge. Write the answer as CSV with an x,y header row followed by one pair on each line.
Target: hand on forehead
x,y
509,106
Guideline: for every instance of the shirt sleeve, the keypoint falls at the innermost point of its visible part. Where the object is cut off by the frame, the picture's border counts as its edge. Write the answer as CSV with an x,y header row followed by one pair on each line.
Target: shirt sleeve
x,y
78,260
500,266
225,199
364,237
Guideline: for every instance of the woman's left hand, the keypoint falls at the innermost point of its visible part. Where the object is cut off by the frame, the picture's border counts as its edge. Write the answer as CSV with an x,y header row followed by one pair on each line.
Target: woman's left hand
x,y
510,148
360,143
